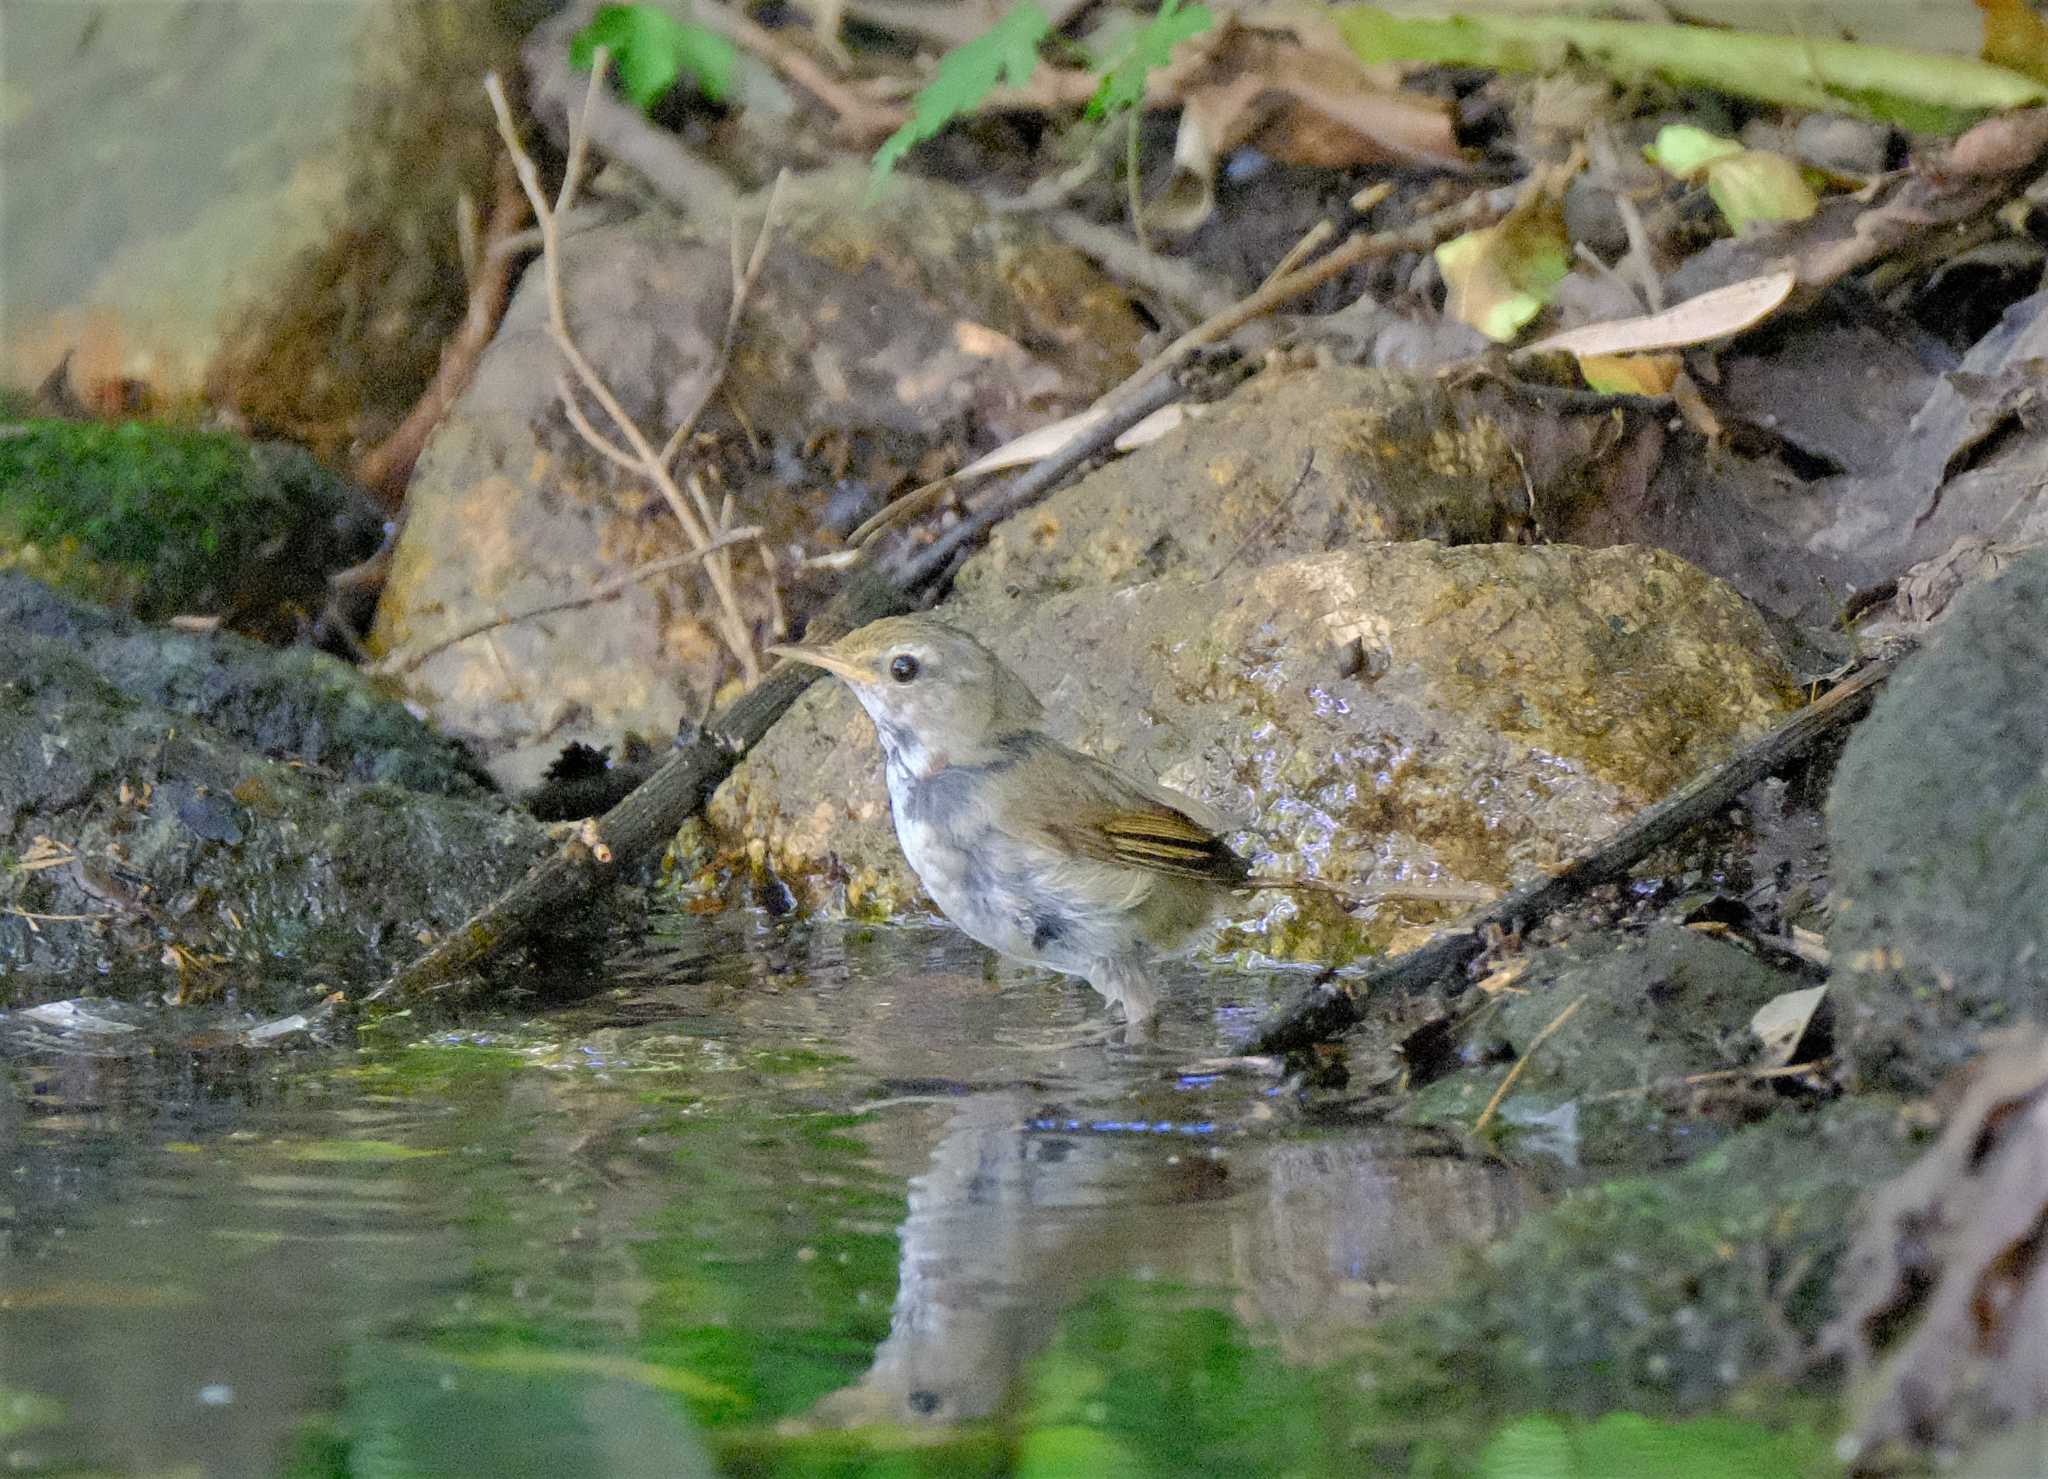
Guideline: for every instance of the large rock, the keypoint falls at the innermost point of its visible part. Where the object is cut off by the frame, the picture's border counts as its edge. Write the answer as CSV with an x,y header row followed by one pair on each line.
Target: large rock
x,y
1398,714
1292,464
881,343
141,273
160,789
1939,824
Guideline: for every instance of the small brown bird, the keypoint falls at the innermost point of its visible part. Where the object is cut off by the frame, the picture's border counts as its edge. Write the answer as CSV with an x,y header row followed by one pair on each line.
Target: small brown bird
x,y
1039,852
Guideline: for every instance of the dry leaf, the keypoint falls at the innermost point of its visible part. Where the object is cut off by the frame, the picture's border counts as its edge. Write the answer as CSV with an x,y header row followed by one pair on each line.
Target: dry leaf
x,y
1718,314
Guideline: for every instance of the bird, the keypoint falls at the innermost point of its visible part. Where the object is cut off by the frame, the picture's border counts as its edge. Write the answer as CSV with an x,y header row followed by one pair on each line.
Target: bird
x,y
1036,850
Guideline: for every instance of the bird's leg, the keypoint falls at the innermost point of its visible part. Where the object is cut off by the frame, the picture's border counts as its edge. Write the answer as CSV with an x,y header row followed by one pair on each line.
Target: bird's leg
x,y
1124,981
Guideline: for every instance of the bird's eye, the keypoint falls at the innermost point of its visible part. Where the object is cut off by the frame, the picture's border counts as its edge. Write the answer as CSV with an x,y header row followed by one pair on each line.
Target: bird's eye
x,y
903,667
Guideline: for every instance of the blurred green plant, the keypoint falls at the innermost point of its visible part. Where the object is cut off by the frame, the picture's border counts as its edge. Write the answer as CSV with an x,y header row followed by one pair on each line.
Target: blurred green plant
x,y
652,51
1006,51
1627,1445
1147,48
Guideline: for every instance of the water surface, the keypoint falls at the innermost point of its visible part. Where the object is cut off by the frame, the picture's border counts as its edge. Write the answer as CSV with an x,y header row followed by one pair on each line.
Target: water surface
x,y
759,1201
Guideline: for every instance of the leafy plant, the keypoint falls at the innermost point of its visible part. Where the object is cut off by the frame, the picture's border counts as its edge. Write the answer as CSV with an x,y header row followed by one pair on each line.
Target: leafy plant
x,y
1147,48
652,49
1006,51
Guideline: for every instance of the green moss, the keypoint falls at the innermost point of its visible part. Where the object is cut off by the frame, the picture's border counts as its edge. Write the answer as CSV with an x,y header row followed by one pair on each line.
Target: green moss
x,y
155,518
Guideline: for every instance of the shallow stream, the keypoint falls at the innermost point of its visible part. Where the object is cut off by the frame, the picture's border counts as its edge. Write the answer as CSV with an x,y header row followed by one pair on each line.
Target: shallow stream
x,y
760,1201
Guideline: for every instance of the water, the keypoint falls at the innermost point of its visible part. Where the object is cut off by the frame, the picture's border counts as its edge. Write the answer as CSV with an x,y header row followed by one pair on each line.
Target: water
x,y
832,1202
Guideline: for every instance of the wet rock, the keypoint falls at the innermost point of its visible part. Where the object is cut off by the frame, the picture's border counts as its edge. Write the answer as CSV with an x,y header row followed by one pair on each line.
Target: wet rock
x,y
165,521
1651,1008
882,344
1939,824
1666,1292
161,798
1400,714
1292,464
292,704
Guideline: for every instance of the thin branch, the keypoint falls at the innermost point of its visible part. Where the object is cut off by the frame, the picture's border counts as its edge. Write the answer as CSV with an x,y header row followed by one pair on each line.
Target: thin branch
x,y
1486,1115
649,464
596,440
1363,246
742,288
609,590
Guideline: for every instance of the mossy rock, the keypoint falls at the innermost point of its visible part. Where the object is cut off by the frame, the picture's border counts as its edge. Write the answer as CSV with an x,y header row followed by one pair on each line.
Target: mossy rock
x,y
1662,1294
164,521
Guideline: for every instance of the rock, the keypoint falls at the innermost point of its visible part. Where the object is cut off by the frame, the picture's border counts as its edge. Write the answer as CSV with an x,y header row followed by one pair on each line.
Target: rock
x,y
160,792
164,521
881,344
1938,820
1292,464
1399,714
1652,1007
1660,1292
292,704
141,273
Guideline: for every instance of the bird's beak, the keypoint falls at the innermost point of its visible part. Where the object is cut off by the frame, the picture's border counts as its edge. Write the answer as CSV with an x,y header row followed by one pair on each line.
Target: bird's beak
x,y
826,658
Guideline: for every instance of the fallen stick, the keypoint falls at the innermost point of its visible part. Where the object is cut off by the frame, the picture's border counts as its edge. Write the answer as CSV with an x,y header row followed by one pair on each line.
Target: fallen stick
x,y
1325,1009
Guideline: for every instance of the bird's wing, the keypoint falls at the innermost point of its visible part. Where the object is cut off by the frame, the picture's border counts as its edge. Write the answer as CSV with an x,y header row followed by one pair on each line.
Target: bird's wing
x,y
1098,814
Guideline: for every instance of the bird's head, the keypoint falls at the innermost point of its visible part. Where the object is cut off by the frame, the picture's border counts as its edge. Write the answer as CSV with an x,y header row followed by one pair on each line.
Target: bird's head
x,y
937,696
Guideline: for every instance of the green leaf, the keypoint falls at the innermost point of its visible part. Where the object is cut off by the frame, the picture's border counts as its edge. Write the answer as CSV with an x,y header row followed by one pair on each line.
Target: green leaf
x,y
1006,51
1149,47
1756,186
652,49
1500,277
1921,91
1683,149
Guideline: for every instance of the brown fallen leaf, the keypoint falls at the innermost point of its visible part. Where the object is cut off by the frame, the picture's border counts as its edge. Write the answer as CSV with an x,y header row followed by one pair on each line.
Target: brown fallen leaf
x,y
1291,85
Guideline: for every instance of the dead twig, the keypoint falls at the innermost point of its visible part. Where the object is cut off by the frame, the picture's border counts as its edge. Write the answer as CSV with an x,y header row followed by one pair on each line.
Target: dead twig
x,y
609,590
1361,246
1327,1008
645,460
1716,1076
743,279
385,469
1486,1115
856,120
